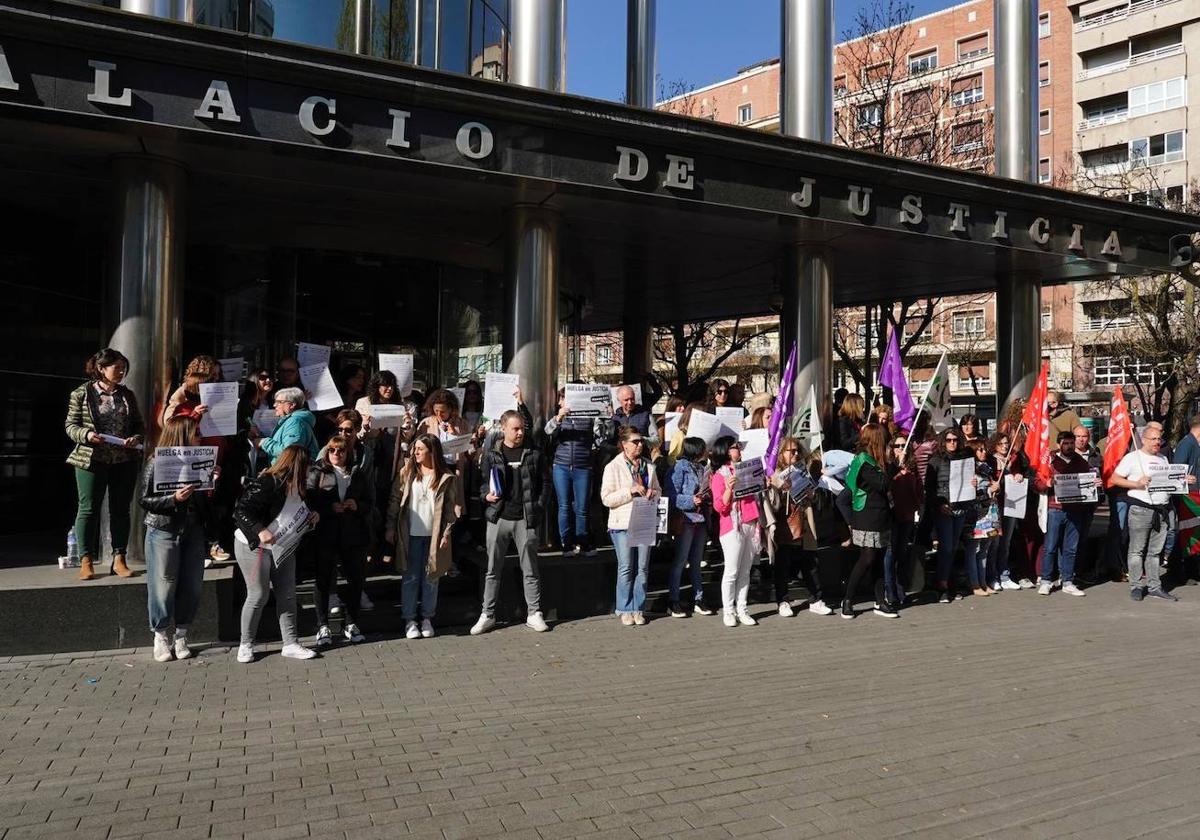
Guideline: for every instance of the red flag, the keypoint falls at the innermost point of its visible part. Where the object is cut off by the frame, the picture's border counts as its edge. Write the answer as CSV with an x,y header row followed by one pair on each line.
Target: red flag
x,y
1037,421
1120,433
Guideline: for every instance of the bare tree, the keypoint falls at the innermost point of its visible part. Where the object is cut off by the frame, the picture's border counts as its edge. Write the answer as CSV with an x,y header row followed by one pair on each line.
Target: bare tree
x,y
860,336
688,354
679,97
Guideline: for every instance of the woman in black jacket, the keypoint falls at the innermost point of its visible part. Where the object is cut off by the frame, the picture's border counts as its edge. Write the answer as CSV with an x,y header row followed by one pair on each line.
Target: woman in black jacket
x,y
870,517
950,519
175,546
343,496
283,485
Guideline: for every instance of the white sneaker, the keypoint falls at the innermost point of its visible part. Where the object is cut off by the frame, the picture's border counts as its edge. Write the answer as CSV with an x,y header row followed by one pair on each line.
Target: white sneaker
x,y
1069,588
1044,588
785,609
996,586
245,653
324,637
411,631
208,562
365,603
484,624
745,619
1010,585
819,608
297,651
536,622
426,628
353,635
162,647
1025,583
182,651
729,619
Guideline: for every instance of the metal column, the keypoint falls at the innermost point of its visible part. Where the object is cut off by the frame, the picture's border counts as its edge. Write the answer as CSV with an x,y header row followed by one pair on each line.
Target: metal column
x,y
362,27
537,44
806,101
531,306
172,9
640,79
1018,297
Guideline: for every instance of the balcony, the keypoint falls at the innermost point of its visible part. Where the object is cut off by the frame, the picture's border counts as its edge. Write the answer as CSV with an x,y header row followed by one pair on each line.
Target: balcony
x,y
1106,118
1132,61
1127,22
1121,13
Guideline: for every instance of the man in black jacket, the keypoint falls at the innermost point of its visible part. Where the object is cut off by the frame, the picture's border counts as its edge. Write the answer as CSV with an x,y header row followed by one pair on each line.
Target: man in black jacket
x,y
512,491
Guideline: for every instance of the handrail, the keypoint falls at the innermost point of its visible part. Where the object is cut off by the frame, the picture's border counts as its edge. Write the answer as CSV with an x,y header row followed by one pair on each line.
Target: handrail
x,y
1133,60
1122,12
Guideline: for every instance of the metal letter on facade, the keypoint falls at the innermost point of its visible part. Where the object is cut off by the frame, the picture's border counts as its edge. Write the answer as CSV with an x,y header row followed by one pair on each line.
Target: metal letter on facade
x,y
219,97
1039,231
959,213
480,150
399,138
307,115
910,210
1000,228
1076,239
859,201
679,172
102,86
7,82
804,198
1112,245
631,165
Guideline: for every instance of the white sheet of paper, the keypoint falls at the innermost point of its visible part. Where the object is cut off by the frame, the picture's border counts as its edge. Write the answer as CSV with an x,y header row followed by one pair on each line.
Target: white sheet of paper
x,y
222,400
387,415
637,395
232,369
748,477
181,466
643,522
664,514
1076,487
732,418
498,396
265,421
288,528
308,355
452,446
1016,497
672,424
319,382
401,364
585,400
1167,478
962,470
705,426
754,443
116,441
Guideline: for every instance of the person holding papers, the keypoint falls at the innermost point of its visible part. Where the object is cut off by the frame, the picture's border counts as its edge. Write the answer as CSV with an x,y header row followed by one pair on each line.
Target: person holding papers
x,y
512,489
691,496
950,494
1012,499
386,445
257,515
628,477
908,499
738,527
1148,515
104,423
572,439
342,495
789,527
870,518
444,422
174,547
295,426
1065,520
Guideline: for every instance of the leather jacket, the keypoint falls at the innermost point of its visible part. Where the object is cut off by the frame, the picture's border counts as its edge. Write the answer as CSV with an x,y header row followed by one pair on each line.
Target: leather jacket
x,y
163,513
261,501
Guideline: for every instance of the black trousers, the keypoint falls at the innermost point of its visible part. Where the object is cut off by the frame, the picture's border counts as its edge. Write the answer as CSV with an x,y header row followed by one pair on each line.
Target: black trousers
x,y
353,561
787,558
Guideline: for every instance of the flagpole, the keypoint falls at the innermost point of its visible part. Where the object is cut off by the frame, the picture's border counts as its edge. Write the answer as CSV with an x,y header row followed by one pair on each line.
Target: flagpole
x,y
924,404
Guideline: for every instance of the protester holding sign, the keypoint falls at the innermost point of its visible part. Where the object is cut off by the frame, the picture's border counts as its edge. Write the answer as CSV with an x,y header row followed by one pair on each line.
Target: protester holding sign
x,y
738,528
871,518
950,518
1066,515
385,445
295,426
572,438
908,499
262,501
174,547
981,570
627,477
790,530
690,493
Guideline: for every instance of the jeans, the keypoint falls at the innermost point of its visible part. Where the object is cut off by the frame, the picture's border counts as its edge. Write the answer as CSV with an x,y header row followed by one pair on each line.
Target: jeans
x,y
977,561
1062,541
689,548
738,548
416,581
633,564
949,529
499,535
118,482
573,487
353,560
261,576
174,575
1147,535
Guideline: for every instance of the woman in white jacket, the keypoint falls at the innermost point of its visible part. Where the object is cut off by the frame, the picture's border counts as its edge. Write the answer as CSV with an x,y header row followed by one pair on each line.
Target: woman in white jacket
x,y
627,477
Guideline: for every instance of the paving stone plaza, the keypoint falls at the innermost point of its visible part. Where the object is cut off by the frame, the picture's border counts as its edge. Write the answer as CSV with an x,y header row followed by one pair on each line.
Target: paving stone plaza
x,y
1015,716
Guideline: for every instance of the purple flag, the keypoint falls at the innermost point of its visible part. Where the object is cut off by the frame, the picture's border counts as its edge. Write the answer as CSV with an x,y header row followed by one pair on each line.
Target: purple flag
x,y
782,412
891,375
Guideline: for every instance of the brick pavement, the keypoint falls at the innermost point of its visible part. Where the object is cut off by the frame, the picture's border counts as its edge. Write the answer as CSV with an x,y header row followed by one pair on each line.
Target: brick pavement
x,y
1014,716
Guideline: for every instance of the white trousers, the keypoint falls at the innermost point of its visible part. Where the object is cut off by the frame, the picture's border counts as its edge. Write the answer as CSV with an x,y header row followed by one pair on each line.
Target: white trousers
x,y
738,548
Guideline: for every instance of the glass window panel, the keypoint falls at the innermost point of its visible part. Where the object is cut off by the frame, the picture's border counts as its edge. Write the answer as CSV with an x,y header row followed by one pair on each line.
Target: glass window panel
x,y
322,23
453,50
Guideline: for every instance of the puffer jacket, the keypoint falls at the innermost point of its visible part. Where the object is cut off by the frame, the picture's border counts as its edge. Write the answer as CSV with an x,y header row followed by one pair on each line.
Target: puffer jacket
x,y
572,440
296,428
532,480
163,513
81,419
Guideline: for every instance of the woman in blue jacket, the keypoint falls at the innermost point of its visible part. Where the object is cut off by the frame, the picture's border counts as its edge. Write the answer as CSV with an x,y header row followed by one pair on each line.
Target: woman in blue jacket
x,y
689,492
295,426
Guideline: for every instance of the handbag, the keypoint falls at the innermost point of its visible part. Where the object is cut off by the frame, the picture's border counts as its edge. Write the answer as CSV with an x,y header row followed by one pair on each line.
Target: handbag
x,y
795,523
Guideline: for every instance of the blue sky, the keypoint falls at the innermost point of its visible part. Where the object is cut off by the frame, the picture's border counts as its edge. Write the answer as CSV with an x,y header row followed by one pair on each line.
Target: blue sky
x,y
699,41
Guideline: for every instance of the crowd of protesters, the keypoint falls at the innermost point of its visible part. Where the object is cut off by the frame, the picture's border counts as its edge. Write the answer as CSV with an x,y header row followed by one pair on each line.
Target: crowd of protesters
x,y
392,498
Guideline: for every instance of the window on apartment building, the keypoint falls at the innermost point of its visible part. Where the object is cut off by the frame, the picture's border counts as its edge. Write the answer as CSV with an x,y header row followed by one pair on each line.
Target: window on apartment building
x,y
745,113
968,324
1156,149
1044,25
1044,74
1044,121
1170,197
1114,370
604,354
876,73
839,86
917,103
923,62
1047,319
982,372
1105,114
967,90
1044,171
1105,314
967,137
973,47
1157,96
926,335
870,114
917,146
860,333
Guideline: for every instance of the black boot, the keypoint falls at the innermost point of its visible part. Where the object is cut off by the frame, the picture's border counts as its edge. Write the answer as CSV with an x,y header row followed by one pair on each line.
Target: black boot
x,y
847,609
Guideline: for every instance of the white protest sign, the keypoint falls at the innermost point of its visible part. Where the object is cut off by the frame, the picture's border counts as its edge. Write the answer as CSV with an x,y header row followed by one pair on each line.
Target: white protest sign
x,y
705,426
664,514
1076,487
754,443
265,421
800,485
672,424
288,528
643,522
1167,478
731,417
232,369
387,415
184,466
221,399
1016,497
748,477
498,394
962,471
616,403
584,400
113,440
308,355
400,364
319,382
453,446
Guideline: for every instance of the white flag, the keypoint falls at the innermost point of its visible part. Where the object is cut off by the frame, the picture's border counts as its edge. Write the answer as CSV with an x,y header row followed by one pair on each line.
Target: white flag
x,y
937,398
807,422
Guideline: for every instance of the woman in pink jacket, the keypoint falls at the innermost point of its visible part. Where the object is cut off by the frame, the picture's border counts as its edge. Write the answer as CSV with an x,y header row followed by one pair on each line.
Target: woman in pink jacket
x,y
738,527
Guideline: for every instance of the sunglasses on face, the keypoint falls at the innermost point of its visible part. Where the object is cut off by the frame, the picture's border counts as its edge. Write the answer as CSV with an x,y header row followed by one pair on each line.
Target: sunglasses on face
x,y
722,390
346,429
898,445
264,377
951,440
637,441
336,450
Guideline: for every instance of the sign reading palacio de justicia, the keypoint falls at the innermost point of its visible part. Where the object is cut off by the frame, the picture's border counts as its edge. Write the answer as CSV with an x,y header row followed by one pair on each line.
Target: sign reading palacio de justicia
x,y
187,97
